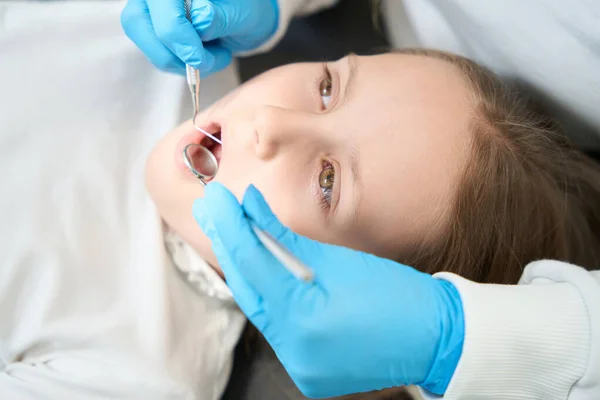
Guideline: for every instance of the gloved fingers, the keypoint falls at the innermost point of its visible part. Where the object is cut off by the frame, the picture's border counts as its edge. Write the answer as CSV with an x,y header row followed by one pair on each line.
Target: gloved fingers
x,y
222,57
255,207
178,34
245,296
213,20
258,210
136,23
248,256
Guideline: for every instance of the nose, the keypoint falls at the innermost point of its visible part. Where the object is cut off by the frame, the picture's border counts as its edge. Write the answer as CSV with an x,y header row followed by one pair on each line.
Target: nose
x,y
280,129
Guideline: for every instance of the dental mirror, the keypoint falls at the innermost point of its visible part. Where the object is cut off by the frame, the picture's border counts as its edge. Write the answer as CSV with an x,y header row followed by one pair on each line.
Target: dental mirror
x,y
200,161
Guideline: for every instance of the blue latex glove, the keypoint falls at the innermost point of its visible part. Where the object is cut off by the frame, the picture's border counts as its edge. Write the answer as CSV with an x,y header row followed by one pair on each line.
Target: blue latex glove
x,y
218,29
365,323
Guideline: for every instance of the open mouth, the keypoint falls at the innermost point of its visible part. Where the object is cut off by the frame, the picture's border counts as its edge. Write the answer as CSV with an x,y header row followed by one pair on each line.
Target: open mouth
x,y
212,146
197,158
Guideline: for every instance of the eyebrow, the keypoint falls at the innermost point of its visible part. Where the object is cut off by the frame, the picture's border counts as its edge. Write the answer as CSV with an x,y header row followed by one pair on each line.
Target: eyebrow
x,y
352,67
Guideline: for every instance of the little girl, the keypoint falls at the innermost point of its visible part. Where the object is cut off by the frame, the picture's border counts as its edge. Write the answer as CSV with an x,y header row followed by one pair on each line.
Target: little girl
x,y
451,170
418,156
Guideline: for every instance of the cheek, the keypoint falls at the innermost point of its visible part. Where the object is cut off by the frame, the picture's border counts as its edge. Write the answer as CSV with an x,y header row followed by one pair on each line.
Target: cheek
x,y
296,206
286,188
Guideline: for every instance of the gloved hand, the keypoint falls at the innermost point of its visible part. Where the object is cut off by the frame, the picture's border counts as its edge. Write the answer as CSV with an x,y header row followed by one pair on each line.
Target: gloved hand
x,y
218,29
364,323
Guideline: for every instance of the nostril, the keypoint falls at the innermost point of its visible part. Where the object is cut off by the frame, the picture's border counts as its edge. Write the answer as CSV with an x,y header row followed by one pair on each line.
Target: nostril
x,y
267,126
265,147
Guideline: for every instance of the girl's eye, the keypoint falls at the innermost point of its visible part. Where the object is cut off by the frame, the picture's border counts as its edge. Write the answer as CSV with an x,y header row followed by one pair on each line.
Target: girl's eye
x,y
325,88
326,181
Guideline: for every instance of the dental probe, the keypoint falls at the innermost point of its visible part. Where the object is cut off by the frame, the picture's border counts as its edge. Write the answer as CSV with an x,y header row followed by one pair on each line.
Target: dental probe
x,y
193,80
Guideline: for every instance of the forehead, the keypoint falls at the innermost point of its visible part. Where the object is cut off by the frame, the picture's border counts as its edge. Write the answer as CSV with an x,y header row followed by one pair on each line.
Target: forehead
x,y
412,145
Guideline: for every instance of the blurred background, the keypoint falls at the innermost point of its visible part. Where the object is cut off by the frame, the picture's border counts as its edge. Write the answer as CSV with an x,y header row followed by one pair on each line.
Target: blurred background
x,y
351,26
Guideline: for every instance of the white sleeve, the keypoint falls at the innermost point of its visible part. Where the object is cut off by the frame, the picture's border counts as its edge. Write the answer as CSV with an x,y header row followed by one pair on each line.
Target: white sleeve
x,y
536,340
289,9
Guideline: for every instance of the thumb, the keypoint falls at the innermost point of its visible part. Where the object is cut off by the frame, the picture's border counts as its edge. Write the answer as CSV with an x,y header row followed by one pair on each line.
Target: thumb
x,y
216,20
304,249
256,207
224,218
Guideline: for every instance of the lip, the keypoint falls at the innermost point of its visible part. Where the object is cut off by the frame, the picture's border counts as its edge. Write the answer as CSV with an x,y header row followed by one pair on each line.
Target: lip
x,y
197,137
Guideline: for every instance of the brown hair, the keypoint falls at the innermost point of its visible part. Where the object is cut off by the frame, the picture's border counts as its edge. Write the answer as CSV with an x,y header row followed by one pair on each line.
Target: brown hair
x,y
526,193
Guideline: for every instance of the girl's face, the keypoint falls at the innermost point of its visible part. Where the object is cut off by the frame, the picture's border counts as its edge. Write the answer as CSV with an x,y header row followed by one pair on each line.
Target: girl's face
x,y
365,152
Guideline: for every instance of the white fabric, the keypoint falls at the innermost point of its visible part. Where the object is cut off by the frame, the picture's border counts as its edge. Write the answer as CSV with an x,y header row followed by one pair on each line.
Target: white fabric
x,y
195,270
91,306
551,46
539,340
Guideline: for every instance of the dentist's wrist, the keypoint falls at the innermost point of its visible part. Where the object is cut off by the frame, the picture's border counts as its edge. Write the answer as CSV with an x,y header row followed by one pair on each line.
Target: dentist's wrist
x,y
451,339
509,328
